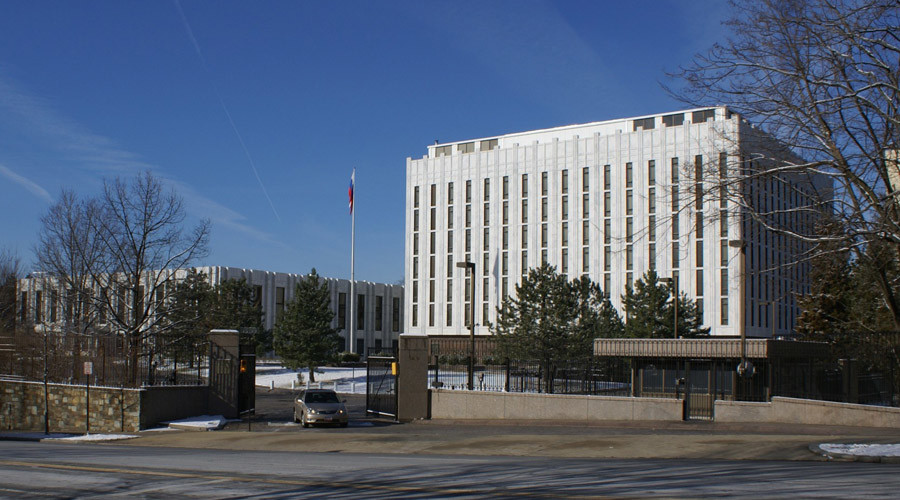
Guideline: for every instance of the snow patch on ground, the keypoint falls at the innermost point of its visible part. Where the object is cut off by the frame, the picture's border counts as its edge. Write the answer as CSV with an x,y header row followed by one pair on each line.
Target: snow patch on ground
x,y
199,423
60,436
341,379
866,450
96,437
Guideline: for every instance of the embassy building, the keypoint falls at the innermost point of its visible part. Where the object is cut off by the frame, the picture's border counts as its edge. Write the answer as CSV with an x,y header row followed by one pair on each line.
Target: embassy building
x,y
608,200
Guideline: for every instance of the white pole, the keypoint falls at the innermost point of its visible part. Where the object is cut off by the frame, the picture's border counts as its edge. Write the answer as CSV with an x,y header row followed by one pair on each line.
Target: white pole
x,y
352,298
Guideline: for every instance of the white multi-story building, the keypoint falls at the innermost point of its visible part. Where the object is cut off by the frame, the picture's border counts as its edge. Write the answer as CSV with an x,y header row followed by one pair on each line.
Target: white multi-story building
x,y
609,200
379,306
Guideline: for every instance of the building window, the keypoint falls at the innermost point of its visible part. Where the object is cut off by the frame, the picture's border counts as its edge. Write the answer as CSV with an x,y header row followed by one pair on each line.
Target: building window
x,y
395,315
54,305
487,145
643,123
342,311
629,175
378,312
279,302
360,312
703,115
38,307
443,151
466,147
724,311
673,120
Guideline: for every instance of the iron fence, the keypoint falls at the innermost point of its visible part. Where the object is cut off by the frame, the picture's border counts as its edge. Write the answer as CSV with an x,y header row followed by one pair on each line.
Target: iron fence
x,y
62,358
864,370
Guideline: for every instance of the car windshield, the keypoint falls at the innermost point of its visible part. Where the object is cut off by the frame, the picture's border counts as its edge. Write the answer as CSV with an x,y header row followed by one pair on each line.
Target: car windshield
x,y
321,397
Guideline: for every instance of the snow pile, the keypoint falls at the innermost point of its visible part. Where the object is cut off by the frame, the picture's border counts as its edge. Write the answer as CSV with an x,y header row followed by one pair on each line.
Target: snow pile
x,y
95,437
200,423
341,379
866,450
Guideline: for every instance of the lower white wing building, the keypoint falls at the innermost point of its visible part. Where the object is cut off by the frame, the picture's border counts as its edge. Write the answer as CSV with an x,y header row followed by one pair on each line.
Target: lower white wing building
x,y
378,307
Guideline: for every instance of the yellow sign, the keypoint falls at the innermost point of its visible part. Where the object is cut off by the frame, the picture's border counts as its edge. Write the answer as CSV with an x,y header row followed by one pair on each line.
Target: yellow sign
x,y
394,368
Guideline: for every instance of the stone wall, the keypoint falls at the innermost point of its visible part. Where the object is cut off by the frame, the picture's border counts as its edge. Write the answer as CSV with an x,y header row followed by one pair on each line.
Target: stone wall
x,y
111,409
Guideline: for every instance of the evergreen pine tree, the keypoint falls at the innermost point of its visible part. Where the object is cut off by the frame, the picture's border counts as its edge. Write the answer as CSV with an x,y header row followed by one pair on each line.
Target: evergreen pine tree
x,y
304,336
650,311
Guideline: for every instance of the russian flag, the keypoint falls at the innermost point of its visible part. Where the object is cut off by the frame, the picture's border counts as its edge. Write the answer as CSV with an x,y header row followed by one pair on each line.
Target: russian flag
x,y
350,191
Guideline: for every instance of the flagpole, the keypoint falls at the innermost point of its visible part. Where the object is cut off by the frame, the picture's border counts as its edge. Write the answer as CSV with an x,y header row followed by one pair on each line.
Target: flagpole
x,y
352,297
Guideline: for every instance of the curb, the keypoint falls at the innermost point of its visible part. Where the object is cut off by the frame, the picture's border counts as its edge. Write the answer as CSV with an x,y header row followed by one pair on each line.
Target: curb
x,y
846,457
20,438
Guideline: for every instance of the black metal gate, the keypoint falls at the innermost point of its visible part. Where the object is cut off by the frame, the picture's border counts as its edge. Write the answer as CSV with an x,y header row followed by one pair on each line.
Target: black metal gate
x,y
381,382
699,390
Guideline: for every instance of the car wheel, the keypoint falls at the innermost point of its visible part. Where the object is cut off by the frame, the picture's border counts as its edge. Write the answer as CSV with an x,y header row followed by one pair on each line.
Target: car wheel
x,y
296,420
344,424
303,421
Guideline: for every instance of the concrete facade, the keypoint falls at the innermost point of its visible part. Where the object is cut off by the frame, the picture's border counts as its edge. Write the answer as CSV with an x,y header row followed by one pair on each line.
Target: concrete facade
x,y
474,405
808,412
608,200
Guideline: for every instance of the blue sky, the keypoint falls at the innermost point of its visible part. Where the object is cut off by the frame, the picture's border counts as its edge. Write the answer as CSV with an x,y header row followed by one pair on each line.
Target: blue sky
x,y
257,112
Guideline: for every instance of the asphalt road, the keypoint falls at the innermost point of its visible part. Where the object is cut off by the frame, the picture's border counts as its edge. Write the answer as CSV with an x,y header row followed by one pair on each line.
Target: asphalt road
x,y
40,470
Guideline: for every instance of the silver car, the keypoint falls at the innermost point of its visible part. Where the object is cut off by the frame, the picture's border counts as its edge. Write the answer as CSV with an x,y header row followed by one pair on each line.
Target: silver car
x,y
320,406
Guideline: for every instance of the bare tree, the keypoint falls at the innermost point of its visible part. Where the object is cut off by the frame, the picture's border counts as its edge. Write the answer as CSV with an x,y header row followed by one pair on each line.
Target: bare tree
x,y
67,253
115,258
822,78
143,240
10,271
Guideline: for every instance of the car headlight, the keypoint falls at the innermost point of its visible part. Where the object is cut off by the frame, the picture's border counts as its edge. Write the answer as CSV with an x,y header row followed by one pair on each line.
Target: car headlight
x,y
341,411
312,412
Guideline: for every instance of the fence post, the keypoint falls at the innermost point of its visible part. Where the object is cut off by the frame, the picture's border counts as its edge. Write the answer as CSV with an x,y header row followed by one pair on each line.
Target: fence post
x,y
506,385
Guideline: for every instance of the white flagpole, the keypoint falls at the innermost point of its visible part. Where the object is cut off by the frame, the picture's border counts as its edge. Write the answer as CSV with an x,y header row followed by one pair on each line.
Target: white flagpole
x,y
352,297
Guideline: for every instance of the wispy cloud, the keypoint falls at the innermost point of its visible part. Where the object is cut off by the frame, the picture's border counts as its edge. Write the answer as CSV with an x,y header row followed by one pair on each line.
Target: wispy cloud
x,y
28,184
96,154
240,138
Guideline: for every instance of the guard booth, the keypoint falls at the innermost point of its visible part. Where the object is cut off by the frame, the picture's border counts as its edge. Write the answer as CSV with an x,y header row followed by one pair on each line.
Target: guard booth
x,y
700,371
381,382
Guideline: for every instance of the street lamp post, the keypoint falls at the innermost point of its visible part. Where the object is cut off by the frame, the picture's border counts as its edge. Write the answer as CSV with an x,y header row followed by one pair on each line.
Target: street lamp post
x,y
745,369
673,282
470,268
43,330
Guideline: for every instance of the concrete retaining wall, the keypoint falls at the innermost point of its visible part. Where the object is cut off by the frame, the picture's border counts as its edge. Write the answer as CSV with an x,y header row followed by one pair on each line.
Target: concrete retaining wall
x,y
807,411
111,409
160,404
449,404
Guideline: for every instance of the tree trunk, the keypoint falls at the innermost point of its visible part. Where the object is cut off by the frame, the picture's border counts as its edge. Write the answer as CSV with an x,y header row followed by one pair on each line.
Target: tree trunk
x,y
312,374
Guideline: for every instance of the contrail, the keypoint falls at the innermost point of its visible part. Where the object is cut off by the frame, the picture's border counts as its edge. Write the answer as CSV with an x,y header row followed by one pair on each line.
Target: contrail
x,y
190,33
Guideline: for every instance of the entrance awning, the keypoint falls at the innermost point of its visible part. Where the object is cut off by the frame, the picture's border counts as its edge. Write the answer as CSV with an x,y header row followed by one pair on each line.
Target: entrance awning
x,y
710,348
